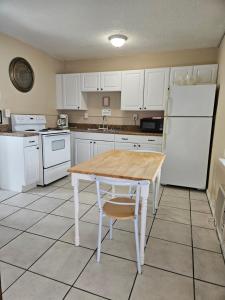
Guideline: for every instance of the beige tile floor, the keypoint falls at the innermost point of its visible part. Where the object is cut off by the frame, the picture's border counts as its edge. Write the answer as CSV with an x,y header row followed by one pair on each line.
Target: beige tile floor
x,y
38,259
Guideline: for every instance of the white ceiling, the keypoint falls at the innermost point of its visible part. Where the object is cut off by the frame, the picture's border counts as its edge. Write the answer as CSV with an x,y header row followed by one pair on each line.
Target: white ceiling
x,y
77,29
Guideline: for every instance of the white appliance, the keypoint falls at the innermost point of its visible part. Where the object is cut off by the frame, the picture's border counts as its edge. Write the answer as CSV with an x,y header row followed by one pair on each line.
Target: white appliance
x,y
19,161
54,146
187,135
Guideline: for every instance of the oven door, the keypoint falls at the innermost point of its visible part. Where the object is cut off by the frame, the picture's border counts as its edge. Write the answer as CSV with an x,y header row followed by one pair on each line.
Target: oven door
x,y
56,149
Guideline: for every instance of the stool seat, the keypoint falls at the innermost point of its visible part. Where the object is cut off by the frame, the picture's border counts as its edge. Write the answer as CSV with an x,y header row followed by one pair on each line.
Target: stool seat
x,y
117,211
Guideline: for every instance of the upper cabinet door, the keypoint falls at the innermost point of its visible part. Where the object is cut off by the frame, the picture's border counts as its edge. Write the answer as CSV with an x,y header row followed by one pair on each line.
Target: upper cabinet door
x,y
111,81
71,91
59,91
156,88
205,73
90,82
132,90
178,75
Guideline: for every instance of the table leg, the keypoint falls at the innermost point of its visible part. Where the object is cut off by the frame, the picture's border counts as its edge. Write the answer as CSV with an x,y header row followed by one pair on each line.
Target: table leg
x,y
144,198
157,189
75,183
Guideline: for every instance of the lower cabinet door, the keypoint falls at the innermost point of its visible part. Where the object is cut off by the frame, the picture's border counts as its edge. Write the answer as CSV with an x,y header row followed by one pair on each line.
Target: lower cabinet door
x,y
31,161
83,150
124,146
102,146
146,147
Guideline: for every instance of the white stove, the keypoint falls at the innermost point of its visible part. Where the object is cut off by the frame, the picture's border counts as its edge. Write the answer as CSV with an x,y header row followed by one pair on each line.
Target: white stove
x,y
54,153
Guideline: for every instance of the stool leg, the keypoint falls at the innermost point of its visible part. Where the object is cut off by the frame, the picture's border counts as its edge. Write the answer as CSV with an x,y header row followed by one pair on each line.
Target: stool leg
x,y
110,228
99,236
137,245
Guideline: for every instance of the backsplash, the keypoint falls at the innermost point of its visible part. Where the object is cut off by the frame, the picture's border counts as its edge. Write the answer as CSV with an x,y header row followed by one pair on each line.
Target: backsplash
x,y
118,116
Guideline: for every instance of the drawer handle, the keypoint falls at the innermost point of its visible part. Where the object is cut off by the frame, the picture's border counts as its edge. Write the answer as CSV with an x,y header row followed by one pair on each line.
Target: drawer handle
x,y
151,140
125,139
31,141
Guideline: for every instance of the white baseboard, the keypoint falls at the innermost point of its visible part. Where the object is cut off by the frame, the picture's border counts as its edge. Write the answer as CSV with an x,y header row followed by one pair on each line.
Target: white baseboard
x,y
221,240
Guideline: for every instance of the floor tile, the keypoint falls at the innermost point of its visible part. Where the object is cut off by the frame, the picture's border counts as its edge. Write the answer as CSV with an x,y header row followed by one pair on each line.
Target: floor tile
x,y
52,226
202,220
45,204
61,193
122,245
128,225
22,219
207,291
5,194
176,192
92,216
62,181
169,256
87,198
159,285
7,234
81,295
82,185
178,202
206,239
9,274
35,287
88,235
201,206
67,209
42,190
173,214
171,231
92,188
6,210
112,277
62,262
22,199
198,195
209,266
25,249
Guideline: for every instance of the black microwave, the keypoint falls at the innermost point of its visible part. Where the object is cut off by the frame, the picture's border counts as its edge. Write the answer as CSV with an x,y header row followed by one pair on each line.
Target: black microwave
x,y
153,124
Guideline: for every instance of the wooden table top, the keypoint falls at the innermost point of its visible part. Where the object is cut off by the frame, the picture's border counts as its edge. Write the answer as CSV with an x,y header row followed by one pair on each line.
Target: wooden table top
x,y
122,164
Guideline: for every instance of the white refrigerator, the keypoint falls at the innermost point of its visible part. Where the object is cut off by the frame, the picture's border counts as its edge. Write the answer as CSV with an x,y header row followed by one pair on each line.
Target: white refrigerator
x,y
187,135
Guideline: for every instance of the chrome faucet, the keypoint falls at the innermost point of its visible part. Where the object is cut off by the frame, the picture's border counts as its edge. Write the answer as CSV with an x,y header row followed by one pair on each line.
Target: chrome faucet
x,y
104,126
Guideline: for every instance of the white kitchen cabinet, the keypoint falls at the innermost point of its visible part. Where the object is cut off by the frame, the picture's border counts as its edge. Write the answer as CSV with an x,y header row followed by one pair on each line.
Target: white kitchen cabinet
x,y
156,88
132,90
83,150
72,96
178,75
87,149
138,147
90,82
31,164
101,81
111,81
205,73
59,91
124,146
102,146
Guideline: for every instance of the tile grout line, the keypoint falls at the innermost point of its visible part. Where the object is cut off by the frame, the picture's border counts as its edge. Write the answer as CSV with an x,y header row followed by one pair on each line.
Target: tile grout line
x,y
192,249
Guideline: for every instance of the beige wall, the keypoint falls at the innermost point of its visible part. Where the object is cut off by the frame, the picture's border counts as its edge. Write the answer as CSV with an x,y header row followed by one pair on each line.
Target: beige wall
x,y
41,99
217,174
150,60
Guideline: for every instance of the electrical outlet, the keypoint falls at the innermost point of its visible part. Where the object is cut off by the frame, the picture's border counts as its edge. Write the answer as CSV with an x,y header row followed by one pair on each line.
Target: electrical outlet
x,y
86,115
106,112
135,117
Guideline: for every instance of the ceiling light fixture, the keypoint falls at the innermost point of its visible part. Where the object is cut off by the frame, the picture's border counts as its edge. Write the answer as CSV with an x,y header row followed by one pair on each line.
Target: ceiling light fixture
x,y
118,40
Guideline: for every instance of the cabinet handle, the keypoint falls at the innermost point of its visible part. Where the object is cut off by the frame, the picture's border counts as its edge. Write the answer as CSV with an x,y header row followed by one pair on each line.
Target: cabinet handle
x,y
94,142
139,146
31,141
125,139
90,142
101,89
78,107
144,107
151,140
97,89
37,148
140,108
135,145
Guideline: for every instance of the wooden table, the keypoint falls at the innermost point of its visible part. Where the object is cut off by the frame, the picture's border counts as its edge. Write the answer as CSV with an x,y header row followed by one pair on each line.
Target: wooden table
x,y
131,165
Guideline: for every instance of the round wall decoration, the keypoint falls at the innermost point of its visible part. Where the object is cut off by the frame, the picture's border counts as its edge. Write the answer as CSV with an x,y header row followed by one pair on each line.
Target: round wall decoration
x,y
21,74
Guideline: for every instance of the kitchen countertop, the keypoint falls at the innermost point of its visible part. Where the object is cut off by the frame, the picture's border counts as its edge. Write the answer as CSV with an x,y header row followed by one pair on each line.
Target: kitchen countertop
x,y
18,133
115,131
